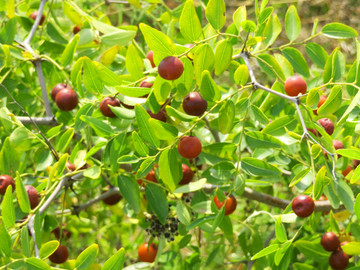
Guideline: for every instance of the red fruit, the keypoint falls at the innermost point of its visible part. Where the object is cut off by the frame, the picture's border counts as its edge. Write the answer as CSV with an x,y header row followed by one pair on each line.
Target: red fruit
x,y
346,171
66,99
33,196
60,255
85,166
313,131
66,234
189,147
194,104
57,88
170,68
338,260
147,253
76,29
338,145
113,199
230,204
295,85
188,175
321,102
104,106
35,14
70,166
330,241
150,57
303,206
150,177
355,163
161,115
327,124
5,181
146,84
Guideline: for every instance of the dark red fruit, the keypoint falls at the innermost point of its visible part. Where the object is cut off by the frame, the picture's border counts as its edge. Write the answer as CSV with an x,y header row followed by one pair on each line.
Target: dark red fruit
x,y
33,196
57,88
130,107
113,199
35,14
346,171
230,204
313,131
150,177
338,145
188,175
189,147
150,57
170,68
321,102
338,260
66,99
161,115
327,124
194,104
330,241
295,85
70,166
146,84
5,181
147,253
356,163
60,255
303,206
76,29
104,106
66,234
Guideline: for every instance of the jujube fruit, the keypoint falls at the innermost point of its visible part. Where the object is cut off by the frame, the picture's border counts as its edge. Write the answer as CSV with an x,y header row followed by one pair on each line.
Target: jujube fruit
x,y
189,147
146,84
338,145
33,196
35,14
161,115
150,177
147,253
188,175
70,166
327,124
356,163
57,88
150,57
60,255
338,260
104,106
303,206
66,99
5,181
346,171
194,104
66,234
295,85
76,29
170,68
113,199
230,204
330,241
321,102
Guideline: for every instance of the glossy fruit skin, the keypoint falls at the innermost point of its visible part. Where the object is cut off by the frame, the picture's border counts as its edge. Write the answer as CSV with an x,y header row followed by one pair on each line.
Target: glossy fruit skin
x,y
230,204
338,260
147,255
57,88
303,206
66,99
33,196
35,14
321,102
5,181
189,147
338,145
150,57
76,29
346,171
194,104
70,166
295,85
66,234
170,68
60,255
330,241
188,175
113,199
161,115
327,124
104,106
150,177
146,84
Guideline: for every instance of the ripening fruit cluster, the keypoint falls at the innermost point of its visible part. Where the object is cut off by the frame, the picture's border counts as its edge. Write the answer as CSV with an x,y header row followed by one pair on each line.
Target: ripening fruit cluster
x,y
64,97
338,260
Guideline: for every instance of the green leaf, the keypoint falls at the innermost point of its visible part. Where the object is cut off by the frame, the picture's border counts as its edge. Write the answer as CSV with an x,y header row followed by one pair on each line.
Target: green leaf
x,y
189,24
280,231
6,242
223,56
239,16
191,187
204,59
299,176
297,60
215,13
133,91
21,194
7,208
48,248
241,75
338,31
119,37
8,32
256,139
36,264
357,206
140,147
219,218
108,57
100,127
25,241
333,102
265,14
266,251
352,153
226,117
253,166
183,214
145,129
352,248
208,88
312,99
107,76
272,30
21,139
334,66
320,182
91,79
145,167
163,131
87,257
169,169
200,221
311,250
162,89
72,14
270,66
68,54
346,195
222,150
65,140
258,115
248,26
317,54
292,23
134,63
170,111
157,201
93,172
129,189
116,261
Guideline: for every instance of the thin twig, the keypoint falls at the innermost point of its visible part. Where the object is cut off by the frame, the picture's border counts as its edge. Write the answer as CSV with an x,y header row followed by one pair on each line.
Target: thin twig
x,y
48,121
213,132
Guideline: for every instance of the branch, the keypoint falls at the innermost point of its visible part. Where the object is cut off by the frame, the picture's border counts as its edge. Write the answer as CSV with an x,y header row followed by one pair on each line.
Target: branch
x,y
38,66
49,121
